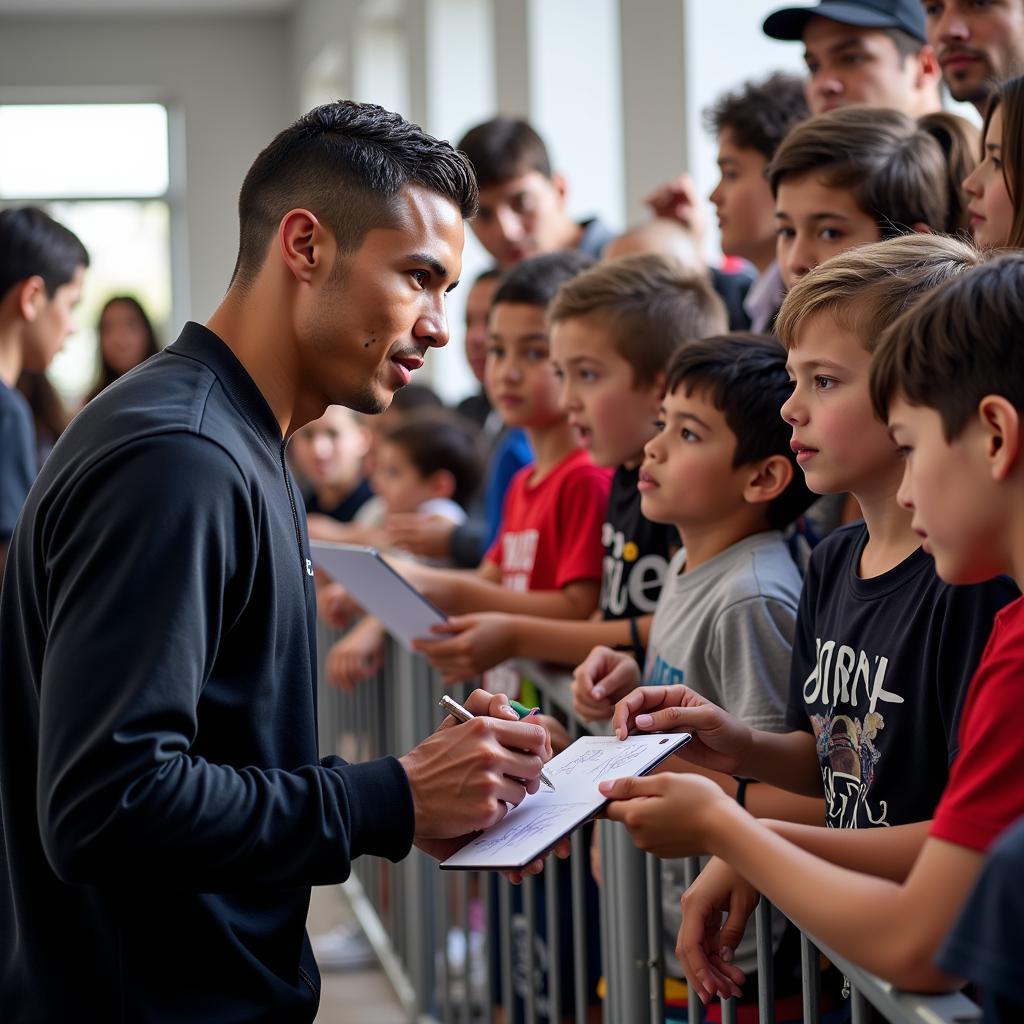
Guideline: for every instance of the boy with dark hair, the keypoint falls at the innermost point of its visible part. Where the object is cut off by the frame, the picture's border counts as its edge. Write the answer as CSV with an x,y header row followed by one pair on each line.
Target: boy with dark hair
x,y
613,330
722,473
42,266
963,487
750,125
863,51
522,200
160,781
859,175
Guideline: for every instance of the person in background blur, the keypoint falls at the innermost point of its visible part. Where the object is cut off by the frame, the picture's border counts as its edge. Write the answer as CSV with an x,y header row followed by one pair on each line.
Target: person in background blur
x,y
328,455
126,338
477,407
48,410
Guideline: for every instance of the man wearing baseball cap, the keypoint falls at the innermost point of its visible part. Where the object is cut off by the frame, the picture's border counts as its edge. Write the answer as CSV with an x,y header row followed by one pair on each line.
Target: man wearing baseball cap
x,y
863,51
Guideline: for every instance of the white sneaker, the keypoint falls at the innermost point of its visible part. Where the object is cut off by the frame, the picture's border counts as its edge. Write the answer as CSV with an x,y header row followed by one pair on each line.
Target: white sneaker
x,y
344,948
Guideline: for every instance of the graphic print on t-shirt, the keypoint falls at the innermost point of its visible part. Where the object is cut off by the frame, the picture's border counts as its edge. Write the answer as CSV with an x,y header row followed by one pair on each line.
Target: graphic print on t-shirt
x,y
843,680
629,579
518,553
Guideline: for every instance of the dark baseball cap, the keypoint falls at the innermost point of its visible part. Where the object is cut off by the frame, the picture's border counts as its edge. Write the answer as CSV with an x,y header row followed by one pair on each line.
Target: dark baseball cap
x,y
789,22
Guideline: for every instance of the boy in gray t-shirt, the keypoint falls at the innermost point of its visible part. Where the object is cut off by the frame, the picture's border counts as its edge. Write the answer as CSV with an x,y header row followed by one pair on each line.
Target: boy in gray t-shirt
x,y
722,471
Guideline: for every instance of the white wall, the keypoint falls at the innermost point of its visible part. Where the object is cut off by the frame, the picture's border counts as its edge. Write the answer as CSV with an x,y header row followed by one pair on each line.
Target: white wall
x,y
725,47
227,80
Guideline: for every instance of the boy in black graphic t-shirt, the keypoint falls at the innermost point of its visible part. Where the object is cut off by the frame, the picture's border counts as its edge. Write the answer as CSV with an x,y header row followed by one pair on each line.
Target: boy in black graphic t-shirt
x,y
880,668
613,329
884,650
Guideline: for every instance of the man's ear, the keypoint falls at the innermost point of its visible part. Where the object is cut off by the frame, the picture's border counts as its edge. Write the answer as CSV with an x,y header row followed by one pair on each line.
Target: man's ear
x,y
305,245
920,228
768,479
442,483
1000,425
30,297
928,69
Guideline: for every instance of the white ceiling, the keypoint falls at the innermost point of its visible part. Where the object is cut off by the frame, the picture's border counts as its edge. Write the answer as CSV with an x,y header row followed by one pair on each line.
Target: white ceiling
x,y
88,8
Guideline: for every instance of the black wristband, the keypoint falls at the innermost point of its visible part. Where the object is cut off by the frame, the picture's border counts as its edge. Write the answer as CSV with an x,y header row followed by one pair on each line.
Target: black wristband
x,y
741,790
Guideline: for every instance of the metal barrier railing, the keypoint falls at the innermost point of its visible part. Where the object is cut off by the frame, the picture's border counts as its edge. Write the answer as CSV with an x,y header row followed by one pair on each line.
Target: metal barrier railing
x,y
464,947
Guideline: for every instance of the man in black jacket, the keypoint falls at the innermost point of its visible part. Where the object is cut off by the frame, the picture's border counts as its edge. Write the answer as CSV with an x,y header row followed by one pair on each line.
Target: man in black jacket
x,y
164,808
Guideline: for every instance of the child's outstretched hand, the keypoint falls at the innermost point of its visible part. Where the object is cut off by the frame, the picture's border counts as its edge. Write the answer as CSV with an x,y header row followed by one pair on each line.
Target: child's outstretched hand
x,y
603,678
706,946
356,656
467,645
666,813
720,741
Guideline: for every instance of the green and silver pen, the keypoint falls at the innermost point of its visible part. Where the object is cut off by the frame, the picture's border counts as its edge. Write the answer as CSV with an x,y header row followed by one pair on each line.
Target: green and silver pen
x,y
456,710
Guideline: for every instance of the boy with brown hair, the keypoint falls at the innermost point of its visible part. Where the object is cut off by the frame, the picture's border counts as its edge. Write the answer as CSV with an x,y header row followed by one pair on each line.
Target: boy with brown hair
x,y
613,331
523,200
962,490
860,175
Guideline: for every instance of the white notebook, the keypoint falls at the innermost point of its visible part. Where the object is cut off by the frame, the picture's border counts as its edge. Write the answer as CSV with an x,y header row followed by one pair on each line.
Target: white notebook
x,y
533,828
406,614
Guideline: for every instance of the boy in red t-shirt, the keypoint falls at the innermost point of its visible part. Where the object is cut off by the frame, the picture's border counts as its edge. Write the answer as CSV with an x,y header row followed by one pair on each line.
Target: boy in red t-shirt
x,y
949,377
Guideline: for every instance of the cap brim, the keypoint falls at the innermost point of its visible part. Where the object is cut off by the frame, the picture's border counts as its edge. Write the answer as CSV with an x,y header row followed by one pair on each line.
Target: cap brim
x,y
790,22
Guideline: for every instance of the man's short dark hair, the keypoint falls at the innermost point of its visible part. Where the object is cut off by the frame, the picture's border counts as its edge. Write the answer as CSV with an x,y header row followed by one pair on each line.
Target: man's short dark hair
x,y
33,244
535,281
504,148
759,114
438,440
956,345
744,376
346,163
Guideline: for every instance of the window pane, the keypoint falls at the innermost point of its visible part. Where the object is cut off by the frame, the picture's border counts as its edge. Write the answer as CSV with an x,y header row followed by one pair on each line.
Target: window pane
x,y
110,149
129,254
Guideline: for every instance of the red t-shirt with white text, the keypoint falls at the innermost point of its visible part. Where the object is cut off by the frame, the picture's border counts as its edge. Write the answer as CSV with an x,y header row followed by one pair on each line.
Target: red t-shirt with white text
x,y
985,793
550,532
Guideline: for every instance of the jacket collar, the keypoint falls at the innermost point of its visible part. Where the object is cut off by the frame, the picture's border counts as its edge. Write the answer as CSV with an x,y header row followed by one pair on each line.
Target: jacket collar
x,y
200,343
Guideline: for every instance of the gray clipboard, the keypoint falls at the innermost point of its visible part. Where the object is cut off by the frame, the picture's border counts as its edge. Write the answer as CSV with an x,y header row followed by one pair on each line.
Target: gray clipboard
x,y
405,613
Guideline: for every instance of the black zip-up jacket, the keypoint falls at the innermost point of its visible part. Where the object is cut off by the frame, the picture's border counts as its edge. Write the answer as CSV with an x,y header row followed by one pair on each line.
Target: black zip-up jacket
x,y
163,808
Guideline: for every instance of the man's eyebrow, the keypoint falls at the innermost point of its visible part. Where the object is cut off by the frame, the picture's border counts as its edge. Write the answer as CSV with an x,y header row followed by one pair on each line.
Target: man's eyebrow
x,y
850,43
436,267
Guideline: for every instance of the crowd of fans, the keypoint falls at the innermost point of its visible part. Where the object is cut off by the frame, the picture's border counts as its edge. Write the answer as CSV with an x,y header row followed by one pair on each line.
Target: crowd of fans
x,y
773,502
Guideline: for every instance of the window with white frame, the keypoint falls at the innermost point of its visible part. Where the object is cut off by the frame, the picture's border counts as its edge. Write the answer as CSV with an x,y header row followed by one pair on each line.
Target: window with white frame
x,y
101,169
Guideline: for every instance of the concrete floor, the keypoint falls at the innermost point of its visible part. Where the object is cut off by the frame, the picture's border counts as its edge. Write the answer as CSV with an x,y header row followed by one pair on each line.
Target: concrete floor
x,y
349,997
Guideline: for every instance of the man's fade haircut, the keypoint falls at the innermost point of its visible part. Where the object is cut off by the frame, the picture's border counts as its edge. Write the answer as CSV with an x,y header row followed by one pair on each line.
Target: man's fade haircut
x,y
649,305
504,148
346,163
536,281
895,168
865,289
744,376
956,346
33,244
760,114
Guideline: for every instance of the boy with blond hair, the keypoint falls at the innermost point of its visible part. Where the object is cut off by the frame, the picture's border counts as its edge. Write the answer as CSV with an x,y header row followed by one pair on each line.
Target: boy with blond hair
x,y
613,331
962,490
